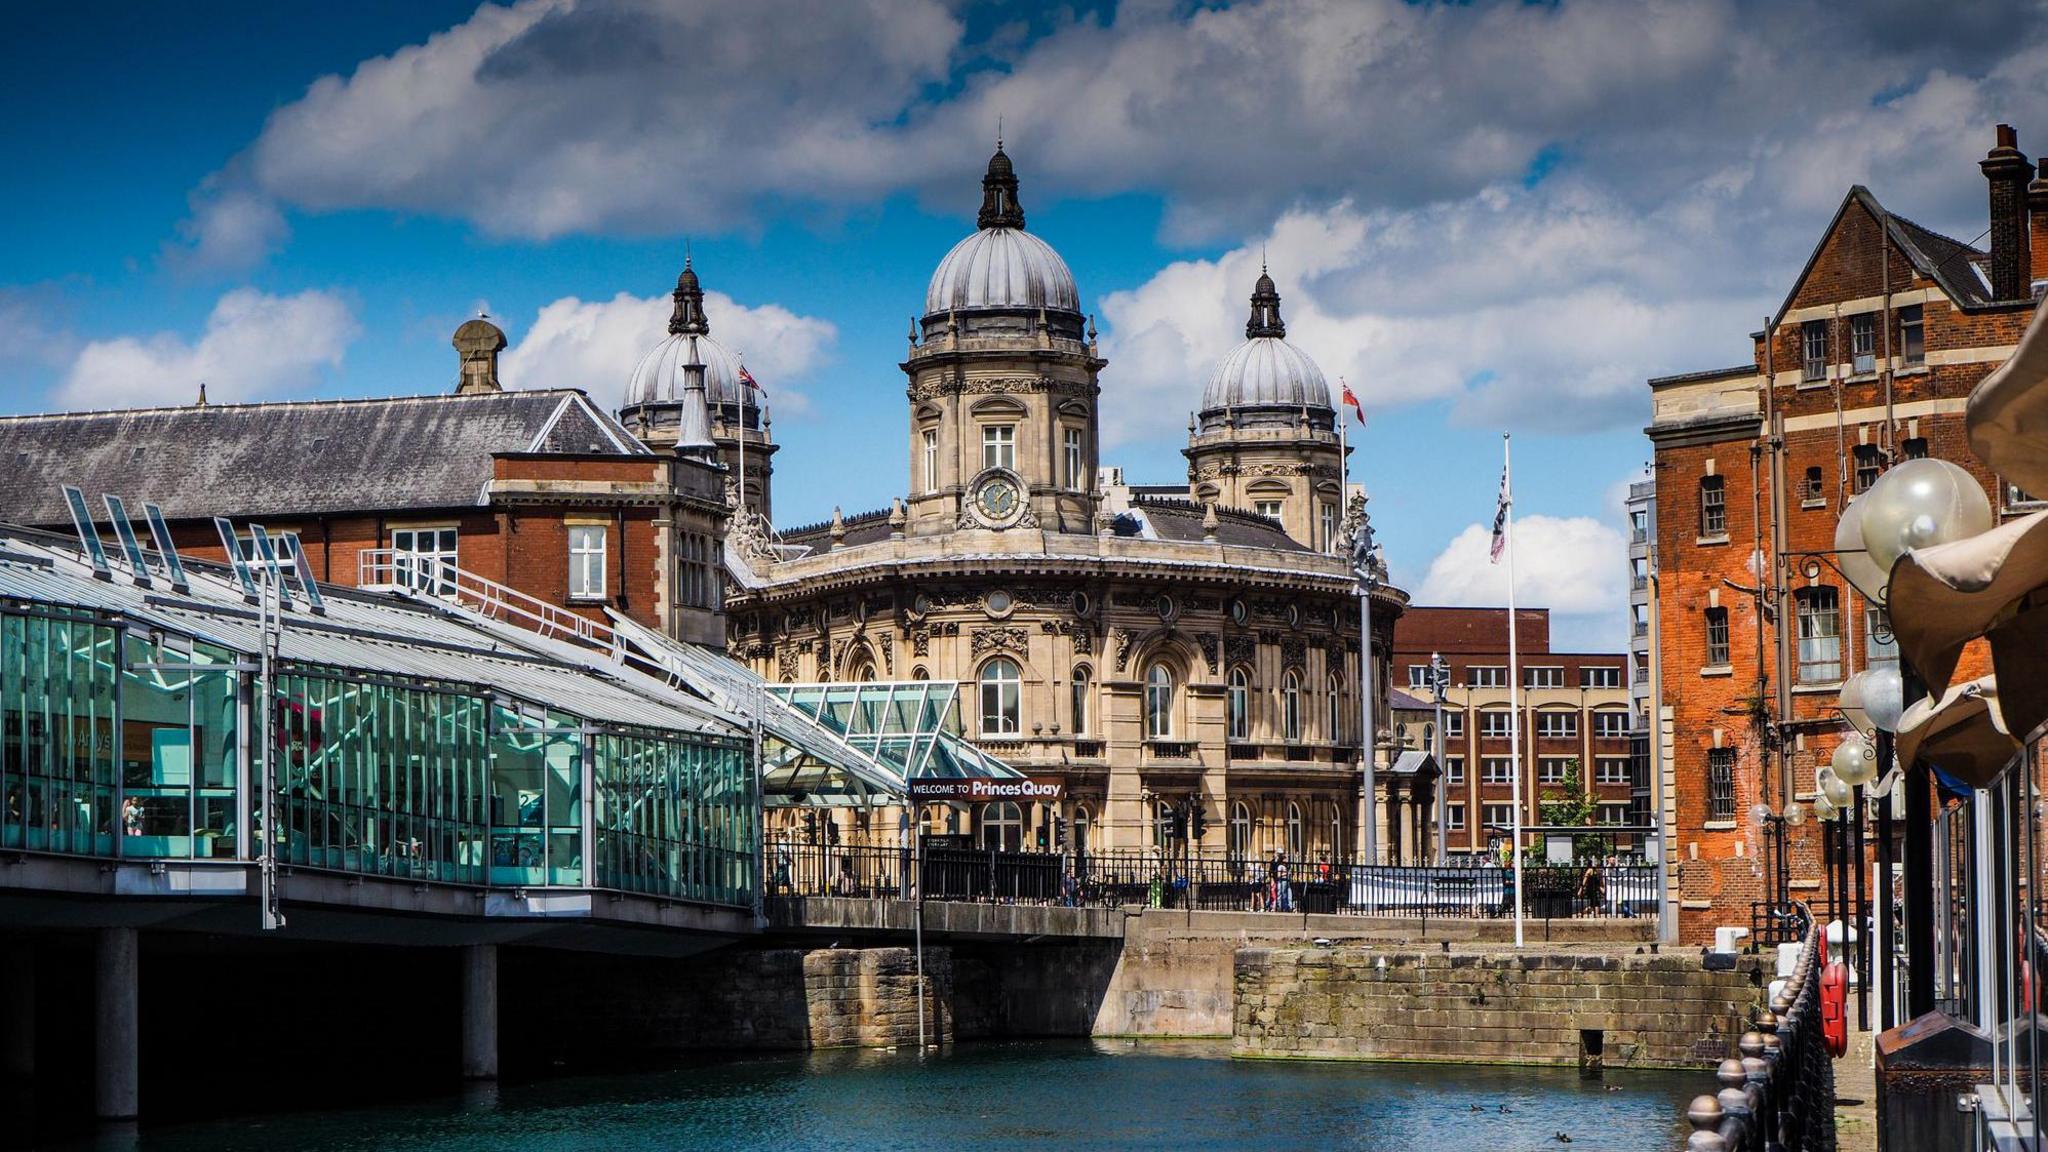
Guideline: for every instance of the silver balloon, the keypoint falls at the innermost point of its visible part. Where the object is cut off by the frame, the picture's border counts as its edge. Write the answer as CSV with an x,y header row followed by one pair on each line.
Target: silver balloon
x,y
1832,787
1851,703
1884,695
1918,504
1857,565
1823,809
1854,762
1795,814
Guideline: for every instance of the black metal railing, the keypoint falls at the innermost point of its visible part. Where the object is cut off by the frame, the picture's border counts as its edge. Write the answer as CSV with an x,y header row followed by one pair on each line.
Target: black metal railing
x,y
1143,878
1780,1092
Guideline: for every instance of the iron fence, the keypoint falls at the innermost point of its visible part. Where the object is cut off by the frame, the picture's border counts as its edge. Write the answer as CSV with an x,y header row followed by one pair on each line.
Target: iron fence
x,y
1780,1092
1140,878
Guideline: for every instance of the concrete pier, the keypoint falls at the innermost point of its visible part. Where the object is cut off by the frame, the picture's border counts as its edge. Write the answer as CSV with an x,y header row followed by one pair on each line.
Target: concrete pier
x,y
480,1012
17,1013
116,1031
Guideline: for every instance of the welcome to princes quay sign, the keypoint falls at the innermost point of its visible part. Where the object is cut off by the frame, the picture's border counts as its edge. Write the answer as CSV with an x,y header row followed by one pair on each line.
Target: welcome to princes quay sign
x,y
955,788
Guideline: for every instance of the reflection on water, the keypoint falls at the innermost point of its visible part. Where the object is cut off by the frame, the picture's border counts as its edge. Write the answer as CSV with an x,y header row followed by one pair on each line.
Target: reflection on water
x,y
1036,1094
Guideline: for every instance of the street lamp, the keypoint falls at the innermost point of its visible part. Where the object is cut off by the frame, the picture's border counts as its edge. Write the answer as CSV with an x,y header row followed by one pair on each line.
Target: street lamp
x,y
1439,687
1914,505
1369,568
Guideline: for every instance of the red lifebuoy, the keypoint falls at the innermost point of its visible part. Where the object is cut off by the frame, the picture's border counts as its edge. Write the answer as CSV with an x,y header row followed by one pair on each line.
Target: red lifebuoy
x,y
1834,1007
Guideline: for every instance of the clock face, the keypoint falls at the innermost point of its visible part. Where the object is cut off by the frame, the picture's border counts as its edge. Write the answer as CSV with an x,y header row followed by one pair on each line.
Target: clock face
x,y
997,497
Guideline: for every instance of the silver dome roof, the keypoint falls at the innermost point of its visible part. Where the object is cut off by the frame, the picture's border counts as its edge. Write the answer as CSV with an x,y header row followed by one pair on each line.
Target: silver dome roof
x,y
1266,372
1002,268
658,379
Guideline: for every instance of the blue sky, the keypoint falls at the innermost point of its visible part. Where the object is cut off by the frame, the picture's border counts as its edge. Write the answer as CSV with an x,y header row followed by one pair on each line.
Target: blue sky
x,y
1486,217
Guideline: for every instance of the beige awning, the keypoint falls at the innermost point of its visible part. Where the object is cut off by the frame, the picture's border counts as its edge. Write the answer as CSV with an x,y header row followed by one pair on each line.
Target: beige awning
x,y
2008,412
1963,732
1943,597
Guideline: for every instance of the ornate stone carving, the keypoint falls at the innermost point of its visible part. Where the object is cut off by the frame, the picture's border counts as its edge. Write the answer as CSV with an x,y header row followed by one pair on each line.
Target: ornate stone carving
x,y
1081,634
747,531
921,642
935,388
1206,641
1294,652
888,646
786,659
1004,638
1269,636
839,648
1124,639
1240,649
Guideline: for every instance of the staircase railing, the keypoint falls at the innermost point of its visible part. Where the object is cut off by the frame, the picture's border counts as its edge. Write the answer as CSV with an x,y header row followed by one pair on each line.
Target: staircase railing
x,y
393,570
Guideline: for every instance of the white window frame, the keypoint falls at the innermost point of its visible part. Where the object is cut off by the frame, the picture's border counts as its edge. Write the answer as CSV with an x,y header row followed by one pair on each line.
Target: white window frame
x,y
423,558
1290,708
1271,509
999,446
1071,440
1159,690
1604,720
1600,676
1557,725
1486,676
587,551
931,460
1496,725
1238,704
1555,769
1610,770
1497,770
1002,697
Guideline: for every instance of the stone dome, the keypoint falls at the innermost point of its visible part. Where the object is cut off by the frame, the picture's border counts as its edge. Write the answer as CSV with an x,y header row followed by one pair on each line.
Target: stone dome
x,y
1001,266
1266,371
658,378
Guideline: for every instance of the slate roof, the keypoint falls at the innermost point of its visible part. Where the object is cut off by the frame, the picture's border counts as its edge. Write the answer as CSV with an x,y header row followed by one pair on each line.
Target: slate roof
x,y
1949,262
1181,519
295,458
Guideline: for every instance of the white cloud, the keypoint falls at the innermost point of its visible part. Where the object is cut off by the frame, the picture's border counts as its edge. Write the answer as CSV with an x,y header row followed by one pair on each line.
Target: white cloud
x,y
232,227
255,346
594,345
1572,565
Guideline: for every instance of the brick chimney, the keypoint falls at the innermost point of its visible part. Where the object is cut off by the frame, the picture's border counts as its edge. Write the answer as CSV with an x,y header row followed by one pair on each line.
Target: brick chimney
x,y
2037,218
2011,262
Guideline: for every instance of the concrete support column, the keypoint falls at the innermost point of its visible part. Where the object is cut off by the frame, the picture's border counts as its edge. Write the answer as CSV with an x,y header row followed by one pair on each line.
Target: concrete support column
x,y
116,1004
480,1012
18,1013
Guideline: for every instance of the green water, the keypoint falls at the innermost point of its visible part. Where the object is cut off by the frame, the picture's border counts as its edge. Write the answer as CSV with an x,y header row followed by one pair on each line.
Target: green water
x,y
1038,1094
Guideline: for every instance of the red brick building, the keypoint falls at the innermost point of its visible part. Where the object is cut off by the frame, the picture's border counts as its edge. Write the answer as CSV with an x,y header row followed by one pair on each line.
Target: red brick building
x,y
1868,361
1574,724
539,490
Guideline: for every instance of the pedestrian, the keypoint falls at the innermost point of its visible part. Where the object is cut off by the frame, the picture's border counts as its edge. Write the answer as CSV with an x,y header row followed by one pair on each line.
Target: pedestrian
x,y
1070,889
1283,895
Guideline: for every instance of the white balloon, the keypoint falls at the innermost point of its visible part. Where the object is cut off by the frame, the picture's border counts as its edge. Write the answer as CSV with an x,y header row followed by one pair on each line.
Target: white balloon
x,y
1856,564
1884,695
1832,787
1822,808
1795,814
1918,504
1854,761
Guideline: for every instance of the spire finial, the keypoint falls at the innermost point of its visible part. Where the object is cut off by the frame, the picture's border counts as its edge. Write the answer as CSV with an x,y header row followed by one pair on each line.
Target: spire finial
x,y
999,205
1265,319
688,317
999,131
202,395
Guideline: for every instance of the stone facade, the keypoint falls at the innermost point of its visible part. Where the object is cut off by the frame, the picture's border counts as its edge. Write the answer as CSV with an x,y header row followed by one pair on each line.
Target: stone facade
x,y
1528,1008
1145,646
1870,360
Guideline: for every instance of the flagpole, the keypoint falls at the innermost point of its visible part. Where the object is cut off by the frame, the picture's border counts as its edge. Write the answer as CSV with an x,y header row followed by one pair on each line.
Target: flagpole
x,y
1507,484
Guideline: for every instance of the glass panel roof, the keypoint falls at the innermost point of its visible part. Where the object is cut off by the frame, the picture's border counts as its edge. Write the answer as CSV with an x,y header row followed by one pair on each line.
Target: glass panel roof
x,y
911,725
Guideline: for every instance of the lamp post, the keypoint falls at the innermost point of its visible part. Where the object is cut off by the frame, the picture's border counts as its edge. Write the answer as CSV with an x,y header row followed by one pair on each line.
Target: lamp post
x,y
1439,685
1370,570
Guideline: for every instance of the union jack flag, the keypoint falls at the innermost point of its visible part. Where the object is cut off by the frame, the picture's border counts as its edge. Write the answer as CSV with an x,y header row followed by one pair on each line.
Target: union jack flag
x,y
1500,519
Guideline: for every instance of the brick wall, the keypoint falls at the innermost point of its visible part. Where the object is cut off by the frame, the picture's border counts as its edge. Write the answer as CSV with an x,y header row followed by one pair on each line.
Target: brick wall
x,y
1717,867
1366,1004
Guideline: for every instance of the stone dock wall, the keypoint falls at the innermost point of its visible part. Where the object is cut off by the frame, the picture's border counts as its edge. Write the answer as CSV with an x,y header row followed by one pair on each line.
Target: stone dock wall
x,y
1370,1004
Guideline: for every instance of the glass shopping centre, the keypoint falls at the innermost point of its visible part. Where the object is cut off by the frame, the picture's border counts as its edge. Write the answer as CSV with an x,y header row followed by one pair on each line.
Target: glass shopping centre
x,y
412,739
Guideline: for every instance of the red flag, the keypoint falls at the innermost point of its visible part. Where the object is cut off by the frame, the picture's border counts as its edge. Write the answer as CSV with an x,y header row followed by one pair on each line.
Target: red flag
x,y
1357,409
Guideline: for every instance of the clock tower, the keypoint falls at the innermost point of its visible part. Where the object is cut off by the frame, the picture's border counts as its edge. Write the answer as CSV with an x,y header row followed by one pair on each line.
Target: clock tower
x,y
1003,383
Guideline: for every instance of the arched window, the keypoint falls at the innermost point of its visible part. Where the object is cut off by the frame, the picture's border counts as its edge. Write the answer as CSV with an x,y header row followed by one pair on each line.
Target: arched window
x,y
1333,708
1240,830
1290,708
1159,702
1295,831
1337,831
1002,826
920,673
1240,697
1000,688
1081,689
1082,823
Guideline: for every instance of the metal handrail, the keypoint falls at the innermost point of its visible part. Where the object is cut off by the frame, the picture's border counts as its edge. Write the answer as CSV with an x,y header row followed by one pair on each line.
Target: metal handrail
x,y
1780,1092
394,570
